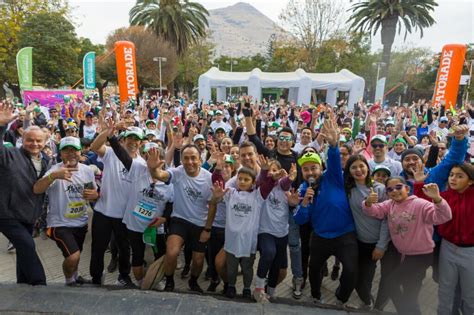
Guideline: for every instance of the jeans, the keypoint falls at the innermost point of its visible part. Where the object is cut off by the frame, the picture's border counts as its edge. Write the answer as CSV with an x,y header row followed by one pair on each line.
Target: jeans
x,y
295,248
272,257
102,227
345,249
29,269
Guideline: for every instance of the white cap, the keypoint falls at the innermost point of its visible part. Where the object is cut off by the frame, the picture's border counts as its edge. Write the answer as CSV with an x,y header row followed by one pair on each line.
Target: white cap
x,y
70,142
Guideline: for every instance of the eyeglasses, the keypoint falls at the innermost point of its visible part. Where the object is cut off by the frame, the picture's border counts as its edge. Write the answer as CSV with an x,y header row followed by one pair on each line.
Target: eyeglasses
x,y
287,138
380,146
396,187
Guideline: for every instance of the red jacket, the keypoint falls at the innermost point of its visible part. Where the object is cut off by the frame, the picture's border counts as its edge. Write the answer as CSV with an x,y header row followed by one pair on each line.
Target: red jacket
x,y
460,230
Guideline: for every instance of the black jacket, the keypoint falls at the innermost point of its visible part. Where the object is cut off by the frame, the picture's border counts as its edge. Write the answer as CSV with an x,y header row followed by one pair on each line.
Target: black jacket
x,y
17,177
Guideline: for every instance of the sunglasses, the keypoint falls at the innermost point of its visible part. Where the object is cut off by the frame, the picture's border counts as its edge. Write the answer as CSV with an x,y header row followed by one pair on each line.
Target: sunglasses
x,y
396,187
380,146
287,138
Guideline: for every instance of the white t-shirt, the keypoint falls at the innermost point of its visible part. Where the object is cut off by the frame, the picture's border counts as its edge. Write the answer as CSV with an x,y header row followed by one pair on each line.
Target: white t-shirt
x,y
243,211
90,131
275,213
67,207
219,219
395,167
116,185
146,201
191,195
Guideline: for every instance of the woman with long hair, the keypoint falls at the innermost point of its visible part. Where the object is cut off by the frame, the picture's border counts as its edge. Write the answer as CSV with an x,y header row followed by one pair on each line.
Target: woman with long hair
x,y
372,234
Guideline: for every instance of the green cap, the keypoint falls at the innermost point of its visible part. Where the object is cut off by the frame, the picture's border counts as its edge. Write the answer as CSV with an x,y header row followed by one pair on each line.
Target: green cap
x,y
8,145
70,142
134,131
309,157
229,159
400,140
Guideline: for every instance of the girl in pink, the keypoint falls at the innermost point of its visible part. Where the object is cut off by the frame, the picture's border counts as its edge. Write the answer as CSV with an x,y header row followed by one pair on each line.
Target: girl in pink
x,y
410,222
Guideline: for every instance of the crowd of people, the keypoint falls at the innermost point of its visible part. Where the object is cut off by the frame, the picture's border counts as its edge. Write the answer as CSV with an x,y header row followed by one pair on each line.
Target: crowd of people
x,y
219,182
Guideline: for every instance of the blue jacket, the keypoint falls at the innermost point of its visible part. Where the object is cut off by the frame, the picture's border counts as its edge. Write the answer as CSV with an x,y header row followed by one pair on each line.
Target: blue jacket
x,y
440,173
329,212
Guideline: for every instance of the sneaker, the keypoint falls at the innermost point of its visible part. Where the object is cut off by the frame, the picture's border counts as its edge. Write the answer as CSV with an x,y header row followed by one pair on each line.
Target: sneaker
x,y
297,283
260,296
125,281
319,301
185,272
345,305
366,307
80,280
10,247
194,286
73,284
335,273
169,285
213,285
160,286
230,292
247,294
224,290
112,265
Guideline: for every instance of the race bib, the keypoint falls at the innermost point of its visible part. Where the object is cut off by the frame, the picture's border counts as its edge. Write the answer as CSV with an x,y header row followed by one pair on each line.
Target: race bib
x,y
76,209
146,209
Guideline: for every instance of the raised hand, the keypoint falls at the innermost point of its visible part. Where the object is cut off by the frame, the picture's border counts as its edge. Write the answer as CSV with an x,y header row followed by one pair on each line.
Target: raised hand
x,y
293,172
263,162
329,132
372,198
460,131
432,191
293,197
6,114
218,190
220,160
154,161
419,173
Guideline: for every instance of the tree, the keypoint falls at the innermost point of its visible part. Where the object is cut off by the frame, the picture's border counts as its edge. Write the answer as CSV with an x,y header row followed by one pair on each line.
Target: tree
x,y
181,22
194,62
147,46
55,55
388,15
311,22
13,14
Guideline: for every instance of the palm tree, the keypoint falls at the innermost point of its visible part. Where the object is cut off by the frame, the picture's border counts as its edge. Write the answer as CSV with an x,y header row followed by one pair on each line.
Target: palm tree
x,y
387,15
180,22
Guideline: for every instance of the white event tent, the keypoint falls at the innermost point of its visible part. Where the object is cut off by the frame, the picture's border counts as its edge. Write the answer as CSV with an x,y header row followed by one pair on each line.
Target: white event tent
x,y
299,83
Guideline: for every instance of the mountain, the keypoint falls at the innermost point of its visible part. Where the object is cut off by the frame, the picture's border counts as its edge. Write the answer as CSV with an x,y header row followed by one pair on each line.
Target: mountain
x,y
241,30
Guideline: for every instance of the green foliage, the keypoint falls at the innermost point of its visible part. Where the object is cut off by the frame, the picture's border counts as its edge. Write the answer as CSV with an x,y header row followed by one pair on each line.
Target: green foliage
x,y
13,14
181,22
241,64
55,48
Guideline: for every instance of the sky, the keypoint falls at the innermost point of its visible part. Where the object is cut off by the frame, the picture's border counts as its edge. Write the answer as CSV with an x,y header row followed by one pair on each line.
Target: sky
x,y
455,20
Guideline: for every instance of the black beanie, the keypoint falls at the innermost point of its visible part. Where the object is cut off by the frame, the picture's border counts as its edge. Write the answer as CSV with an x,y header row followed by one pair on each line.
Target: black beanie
x,y
412,151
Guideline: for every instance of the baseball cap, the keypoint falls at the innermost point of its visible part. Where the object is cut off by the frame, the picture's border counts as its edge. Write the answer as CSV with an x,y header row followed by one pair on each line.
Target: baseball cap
x,y
149,145
219,128
70,142
382,168
389,122
218,112
275,125
129,110
71,125
399,139
362,137
150,121
149,132
443,119
229,159
198,137
89,114
8,145
134,131
381,138
309,157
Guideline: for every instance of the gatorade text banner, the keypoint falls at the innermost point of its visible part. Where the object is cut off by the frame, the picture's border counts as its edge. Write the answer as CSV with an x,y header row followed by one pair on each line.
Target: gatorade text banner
x,y
88,66
126,70
24,64
449,74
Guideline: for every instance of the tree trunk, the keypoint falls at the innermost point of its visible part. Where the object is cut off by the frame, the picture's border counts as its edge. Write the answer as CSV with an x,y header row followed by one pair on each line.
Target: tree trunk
x,y
389,28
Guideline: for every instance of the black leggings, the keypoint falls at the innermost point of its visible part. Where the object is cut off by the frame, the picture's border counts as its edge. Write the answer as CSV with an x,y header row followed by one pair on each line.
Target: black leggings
x,y
138,247
216,243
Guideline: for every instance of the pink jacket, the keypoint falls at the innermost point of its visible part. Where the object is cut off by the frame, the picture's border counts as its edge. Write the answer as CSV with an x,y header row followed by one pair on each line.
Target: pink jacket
x,y
411,222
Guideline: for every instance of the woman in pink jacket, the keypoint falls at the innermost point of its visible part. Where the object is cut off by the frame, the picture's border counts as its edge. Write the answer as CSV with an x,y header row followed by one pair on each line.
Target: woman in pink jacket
x,y
410,223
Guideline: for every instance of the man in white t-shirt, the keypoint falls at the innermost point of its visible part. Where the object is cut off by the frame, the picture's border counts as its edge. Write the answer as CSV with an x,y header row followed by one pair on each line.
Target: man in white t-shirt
x,y
379,149
111,206
192,192
70,187
219,123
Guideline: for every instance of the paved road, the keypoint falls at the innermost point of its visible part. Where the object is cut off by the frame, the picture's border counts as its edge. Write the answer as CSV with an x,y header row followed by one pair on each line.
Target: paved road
x,y
52,260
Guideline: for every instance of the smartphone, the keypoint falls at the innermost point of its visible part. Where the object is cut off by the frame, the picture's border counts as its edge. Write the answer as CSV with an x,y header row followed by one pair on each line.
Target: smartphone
x,y
89,185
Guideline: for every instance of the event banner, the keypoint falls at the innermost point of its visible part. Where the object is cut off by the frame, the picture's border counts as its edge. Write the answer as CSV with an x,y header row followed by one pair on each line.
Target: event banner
x,y
88,66
126,70
50,98
24,65
449,74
